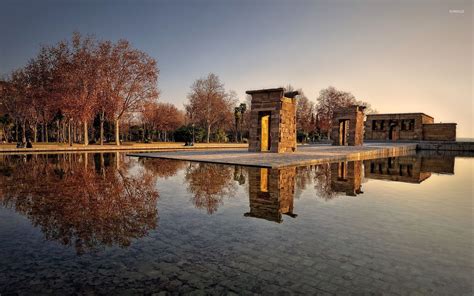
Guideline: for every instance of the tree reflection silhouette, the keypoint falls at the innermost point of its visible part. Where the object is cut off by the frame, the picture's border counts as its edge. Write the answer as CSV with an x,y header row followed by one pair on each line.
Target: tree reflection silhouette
x,y
162,168
79,202
209,184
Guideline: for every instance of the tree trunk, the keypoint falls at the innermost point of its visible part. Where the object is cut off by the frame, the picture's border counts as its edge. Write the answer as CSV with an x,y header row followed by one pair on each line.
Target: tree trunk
x,y
236,130
73,128
102,164
62,134
117,160
63,137
16,131
58,131
69,133
208,133
117,133
42,132
86,162
46,132
35,133
240,128
102,119
86,134
79,133
23,136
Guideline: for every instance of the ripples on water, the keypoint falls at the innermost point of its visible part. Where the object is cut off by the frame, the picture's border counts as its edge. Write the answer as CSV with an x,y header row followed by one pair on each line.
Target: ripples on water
x,y
106,223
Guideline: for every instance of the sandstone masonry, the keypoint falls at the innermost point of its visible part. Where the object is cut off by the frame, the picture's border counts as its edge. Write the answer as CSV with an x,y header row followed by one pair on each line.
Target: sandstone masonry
x,y
278,108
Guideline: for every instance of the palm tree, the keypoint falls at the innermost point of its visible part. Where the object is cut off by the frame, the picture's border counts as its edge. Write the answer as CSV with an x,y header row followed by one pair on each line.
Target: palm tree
x,y
243,108
237,116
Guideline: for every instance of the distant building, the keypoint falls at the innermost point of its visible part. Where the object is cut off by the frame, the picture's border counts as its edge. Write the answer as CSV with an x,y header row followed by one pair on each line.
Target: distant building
x,y
407,126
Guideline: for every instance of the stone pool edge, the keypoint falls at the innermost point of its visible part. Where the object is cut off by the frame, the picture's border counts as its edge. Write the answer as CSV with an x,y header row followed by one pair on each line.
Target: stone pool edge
x,y
376,152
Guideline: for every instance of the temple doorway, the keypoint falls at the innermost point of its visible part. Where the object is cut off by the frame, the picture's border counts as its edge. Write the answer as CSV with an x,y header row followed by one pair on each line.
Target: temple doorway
x,y
343,129
390,133
265,132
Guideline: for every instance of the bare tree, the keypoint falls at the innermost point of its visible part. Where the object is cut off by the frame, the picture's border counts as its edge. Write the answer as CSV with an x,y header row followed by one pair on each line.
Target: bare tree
x,y
131,81
304,114
209,104
329,100
162,117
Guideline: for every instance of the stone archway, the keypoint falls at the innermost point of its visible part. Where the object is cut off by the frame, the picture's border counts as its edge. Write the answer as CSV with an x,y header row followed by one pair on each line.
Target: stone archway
x,y
348,126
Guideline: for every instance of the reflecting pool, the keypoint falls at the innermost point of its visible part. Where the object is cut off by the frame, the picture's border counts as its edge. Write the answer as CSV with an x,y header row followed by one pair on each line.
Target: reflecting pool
x,y
105,223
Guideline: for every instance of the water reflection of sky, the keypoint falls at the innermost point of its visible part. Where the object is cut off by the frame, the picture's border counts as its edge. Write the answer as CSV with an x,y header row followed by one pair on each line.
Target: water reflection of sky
x,y
149,225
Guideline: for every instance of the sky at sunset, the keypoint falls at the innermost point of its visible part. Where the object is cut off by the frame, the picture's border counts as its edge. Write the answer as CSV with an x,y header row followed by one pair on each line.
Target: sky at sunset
x,y
400,56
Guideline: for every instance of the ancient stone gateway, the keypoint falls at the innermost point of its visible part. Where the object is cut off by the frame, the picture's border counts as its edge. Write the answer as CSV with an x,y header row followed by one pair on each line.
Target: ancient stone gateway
x,y
348,126
272,120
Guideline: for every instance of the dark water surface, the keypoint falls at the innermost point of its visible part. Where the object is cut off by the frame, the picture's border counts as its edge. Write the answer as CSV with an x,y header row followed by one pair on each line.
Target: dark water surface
x,y
110,224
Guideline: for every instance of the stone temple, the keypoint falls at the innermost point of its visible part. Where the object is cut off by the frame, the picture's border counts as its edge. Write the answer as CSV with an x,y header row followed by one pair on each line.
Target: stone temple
x,y
272,120
407,127
348,126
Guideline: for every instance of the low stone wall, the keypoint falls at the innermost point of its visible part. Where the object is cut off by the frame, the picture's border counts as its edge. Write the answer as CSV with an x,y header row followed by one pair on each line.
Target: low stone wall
x,y
439,132
446,146
455,146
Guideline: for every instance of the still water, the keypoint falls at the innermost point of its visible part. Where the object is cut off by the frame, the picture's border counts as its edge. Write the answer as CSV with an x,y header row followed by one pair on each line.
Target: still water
x,y
110,224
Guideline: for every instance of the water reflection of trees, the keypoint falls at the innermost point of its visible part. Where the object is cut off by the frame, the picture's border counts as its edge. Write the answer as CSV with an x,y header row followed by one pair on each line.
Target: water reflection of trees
x,y
210,183
80,200
330,180
162,168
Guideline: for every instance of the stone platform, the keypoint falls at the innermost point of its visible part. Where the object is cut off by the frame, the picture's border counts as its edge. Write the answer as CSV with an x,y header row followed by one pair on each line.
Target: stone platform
x,y
305,155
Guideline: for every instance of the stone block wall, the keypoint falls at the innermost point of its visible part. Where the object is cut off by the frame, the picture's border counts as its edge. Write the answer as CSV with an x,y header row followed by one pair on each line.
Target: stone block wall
x,y
347,177
407,127
355,131
439,164
405,169
448,146
384,121
282,111
408,169
277,200
439,132
287,126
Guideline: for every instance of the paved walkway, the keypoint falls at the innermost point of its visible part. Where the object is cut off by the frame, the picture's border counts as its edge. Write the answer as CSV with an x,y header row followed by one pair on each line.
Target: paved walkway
x,y
166,146
305,155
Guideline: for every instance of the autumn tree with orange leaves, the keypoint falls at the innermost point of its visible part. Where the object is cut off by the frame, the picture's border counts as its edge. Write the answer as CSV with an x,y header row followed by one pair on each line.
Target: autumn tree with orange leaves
x,y
209,104
74,81
129,80
161,118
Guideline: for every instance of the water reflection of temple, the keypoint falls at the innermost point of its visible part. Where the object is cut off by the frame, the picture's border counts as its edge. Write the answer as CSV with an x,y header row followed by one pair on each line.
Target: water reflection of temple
x,y
271,193
346,177
409,169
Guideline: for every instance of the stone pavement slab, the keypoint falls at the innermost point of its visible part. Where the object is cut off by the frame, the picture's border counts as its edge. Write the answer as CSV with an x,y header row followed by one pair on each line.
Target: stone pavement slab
x,y
305,155
126,147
